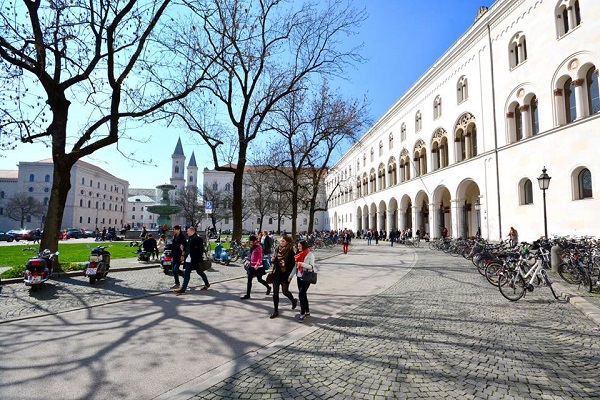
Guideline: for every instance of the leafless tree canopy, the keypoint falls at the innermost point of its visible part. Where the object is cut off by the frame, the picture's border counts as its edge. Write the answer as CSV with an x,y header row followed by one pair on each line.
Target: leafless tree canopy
x,y
258,53
71,71
21,206
188,200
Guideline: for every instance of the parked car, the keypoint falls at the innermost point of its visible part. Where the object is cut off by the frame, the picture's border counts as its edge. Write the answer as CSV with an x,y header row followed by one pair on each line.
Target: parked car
x,y
24,234
6,236
89,233
74,233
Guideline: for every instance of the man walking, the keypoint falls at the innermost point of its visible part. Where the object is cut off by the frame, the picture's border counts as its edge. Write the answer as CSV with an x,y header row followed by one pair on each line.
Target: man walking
x,y
194,256
345,240
177,250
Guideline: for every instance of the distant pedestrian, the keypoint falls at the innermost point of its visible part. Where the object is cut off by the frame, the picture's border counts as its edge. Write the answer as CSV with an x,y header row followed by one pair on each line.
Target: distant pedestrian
x,y
144,233
177,252
345,240
37,235
256,268
150,246
283,263
160,245
369,237
305,261
513,236
194,256
267,248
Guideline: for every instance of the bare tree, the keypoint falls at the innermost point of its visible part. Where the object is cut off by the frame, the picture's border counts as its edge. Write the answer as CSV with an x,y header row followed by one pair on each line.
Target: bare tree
x,y
310,131
188,200
261,51
97,60
21,206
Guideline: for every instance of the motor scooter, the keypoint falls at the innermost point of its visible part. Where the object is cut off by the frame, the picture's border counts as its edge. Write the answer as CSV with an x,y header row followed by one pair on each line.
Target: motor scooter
x,y
99,264
166,259
220,255
142,254
39,269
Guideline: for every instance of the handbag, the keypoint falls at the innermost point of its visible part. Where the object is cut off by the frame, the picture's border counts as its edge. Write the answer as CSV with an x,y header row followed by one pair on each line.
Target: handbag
x,y
269,277
309,276
205,265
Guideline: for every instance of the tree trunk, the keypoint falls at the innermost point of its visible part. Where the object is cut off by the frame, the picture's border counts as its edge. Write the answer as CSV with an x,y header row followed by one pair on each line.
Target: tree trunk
x,y
61,185
237,198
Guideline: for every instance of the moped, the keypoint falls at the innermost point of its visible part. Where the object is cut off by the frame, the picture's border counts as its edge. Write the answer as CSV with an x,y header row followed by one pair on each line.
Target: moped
x,y
39,269
166,259
98,265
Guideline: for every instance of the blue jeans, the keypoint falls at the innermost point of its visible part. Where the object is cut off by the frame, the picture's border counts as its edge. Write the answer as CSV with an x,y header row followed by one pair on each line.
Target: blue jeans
x,y
187,271
267,261
176,271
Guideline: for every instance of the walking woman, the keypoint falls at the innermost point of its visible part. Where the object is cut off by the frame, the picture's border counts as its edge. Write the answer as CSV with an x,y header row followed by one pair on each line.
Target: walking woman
x,y
255,269
283,263
305,261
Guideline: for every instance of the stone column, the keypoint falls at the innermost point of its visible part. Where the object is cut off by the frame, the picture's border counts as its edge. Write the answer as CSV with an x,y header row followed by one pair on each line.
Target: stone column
x,y
559,106
526,118
390,221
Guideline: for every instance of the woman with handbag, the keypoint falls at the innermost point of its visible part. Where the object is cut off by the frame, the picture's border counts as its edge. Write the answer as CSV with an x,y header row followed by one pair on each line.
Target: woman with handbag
x,y
305,262
255,269
283,263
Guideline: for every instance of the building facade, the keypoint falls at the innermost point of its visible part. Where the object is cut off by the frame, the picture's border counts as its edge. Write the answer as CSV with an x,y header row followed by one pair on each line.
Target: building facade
x,y
96,198
464,146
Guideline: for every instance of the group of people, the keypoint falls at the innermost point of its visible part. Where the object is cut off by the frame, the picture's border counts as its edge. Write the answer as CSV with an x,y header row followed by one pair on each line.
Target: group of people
x,y
154,247
286,265
189,252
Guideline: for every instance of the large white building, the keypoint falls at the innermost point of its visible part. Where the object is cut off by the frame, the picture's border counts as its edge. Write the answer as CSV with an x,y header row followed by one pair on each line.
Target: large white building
x,y
96,198
464,146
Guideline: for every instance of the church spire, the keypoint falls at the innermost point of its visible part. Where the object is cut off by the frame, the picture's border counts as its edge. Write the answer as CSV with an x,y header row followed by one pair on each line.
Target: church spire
x,y
192,161
178,149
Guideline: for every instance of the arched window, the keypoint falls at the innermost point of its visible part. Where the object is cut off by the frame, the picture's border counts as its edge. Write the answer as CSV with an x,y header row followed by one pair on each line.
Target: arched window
x,y
31,177
403,132
380,148
372,154
568,16
526,189
381,172
593,95
391,141
437,107
569,97
47,178
518,123
462,89
584,184
364,159
418,122
215,186
177,169
533,113
228,187
517,50
46,201
80,202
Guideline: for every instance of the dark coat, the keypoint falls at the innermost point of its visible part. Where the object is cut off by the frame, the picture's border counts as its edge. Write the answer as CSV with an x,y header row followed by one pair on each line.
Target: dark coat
x,y
178,241
195,249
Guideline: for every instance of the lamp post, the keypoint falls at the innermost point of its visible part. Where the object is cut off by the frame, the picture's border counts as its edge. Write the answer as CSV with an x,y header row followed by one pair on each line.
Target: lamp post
x,y
544,182
478,208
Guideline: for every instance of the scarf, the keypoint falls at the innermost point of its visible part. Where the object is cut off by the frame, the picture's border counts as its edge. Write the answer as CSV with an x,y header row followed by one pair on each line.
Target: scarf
x,y
282,254
300,258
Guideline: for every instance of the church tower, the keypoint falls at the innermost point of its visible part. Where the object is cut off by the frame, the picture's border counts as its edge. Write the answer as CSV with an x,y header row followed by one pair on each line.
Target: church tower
x,y
192,172
178,167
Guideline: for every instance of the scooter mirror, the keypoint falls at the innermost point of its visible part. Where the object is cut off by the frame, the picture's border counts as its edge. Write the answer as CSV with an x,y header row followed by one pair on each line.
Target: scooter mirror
x,y
57,253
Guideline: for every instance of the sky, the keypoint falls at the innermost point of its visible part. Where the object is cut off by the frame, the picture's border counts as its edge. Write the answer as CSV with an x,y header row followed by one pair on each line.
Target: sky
x,y
401,38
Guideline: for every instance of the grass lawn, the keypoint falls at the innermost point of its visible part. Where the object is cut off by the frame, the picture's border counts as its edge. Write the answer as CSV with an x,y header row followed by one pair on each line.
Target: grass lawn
x,y
72,255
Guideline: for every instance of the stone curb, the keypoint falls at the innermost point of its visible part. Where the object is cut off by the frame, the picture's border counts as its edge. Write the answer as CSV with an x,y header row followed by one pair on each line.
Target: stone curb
x,y
590,310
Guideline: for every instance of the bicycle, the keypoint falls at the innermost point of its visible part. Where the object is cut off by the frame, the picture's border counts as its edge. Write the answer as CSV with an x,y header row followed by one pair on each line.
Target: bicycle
x,y
514,283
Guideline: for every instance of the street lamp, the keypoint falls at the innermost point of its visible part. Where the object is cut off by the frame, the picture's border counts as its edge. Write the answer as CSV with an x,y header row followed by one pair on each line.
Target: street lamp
x,y
544,182
478,208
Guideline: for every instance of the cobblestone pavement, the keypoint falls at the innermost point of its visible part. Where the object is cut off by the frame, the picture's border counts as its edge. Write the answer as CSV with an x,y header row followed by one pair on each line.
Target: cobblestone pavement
x,y
441,332
73,292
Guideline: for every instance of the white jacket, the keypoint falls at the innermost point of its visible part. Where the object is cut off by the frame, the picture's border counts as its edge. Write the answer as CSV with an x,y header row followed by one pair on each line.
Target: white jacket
x,y
308,264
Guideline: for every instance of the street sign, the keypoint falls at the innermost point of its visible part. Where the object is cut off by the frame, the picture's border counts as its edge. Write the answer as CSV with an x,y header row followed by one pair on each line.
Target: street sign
x,y
208,207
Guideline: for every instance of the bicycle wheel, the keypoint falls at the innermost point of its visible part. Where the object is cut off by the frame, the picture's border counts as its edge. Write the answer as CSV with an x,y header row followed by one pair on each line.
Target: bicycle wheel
x,y
511,285
586,279
432,245
491,272
548,282
569,273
